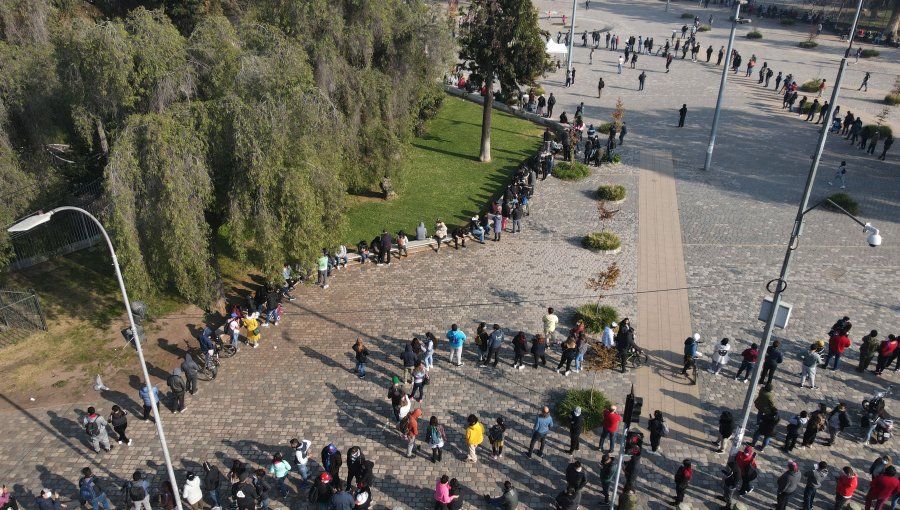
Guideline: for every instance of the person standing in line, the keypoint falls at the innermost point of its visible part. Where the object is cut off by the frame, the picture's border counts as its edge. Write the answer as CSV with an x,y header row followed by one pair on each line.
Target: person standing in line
x,y
814,478
811,360
474,437
573,76
721,54
569,351
882,488
719,357
542,424
550,320
607,473
90,492
419,380
620,64
867,350
876,137
787,485
436,439
658,429
538,349
568,78
709,52
793,430
457,338
840,175
498,225
193,494
624,341
815,424
749,358
118,418
837,344
176,383
517,213
888,142
148,399
95,427
774,357
520,347
495,341
412,431
682,113
576,479
823,112
682,481
611,421
581,351
846,486
726,430
495,436
576,427
137,491
731,482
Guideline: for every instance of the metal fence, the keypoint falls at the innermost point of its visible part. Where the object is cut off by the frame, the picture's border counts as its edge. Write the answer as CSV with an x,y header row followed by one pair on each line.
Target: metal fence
x,y
20,314
67,233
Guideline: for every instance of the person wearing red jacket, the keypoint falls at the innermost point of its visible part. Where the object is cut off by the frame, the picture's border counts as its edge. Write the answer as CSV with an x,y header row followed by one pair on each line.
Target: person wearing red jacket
x,y
611,421
882,488
846,486
682,480
886,353
836,346
746,462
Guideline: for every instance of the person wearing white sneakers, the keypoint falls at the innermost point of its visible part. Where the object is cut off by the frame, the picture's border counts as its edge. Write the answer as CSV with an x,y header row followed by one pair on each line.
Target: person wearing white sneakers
x,y
840,175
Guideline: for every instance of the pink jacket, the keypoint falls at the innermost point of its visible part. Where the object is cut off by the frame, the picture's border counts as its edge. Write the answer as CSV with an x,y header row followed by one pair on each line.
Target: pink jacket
x,y
442,492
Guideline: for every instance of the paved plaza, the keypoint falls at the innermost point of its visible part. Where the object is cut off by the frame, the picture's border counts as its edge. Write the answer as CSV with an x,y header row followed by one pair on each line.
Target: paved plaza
x,y
734,222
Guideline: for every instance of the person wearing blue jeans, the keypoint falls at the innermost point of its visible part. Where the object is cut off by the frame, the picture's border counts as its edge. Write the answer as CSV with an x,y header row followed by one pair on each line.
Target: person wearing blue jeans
x,y
211,481
280,469
90,491
583,348
836,346
362,355
429,350
542,425
234,329
419,378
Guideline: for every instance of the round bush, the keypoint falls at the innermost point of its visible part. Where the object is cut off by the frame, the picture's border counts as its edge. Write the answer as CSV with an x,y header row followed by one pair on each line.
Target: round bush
x,y
810,86
704,28
604,128
596,317
788,22
806,107
843,200
571,171
601,241
611,192
808,44
592,404
754,34
869,53
687,15
870,129
892,99
616,158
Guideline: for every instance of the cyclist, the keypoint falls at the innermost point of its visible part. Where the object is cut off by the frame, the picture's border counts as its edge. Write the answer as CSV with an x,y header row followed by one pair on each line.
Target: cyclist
x,y
206,345
690,353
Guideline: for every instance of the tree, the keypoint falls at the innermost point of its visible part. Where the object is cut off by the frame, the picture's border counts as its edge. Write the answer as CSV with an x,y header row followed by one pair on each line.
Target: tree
x,y
501,39
894,23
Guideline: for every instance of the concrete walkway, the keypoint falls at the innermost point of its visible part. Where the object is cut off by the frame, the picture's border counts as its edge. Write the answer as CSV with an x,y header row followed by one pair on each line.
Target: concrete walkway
x,y
662,306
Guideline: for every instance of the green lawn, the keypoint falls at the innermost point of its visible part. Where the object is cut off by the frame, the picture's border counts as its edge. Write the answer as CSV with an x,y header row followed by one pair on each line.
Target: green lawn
x,y
443,177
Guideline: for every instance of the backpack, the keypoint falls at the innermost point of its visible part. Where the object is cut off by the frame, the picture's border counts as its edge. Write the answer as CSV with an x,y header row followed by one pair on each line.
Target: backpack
x,y
136,491
435,435
92,428
495,433
87,490
403,425
313,495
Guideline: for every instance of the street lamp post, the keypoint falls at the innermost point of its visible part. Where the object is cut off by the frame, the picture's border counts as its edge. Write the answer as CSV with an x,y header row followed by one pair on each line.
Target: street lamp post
x,y
781,283
41,218
571,36
715,123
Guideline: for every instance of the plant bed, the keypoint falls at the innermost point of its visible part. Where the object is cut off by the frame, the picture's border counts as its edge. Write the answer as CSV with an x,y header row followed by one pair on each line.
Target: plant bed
x,y
611,193
844,200
602,241
810,86
869,53
892,99
808,44
788,22
604,127
596,316
571,171
688,15
592,404
754,34
869,130
704,28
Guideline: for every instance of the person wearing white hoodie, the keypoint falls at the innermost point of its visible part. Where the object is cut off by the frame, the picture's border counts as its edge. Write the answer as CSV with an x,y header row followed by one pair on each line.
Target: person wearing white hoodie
x,y
192,492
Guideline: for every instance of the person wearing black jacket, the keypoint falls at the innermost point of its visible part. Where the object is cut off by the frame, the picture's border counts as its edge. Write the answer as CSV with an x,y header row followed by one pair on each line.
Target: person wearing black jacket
x,y
272,297
575,480
520,347
624,340
607,472
212,479
245,494
262,488
731,482
632,469
179,388
726,430
658,429
576,427
356,462
332,462
566,500
408,357
774,357
322,490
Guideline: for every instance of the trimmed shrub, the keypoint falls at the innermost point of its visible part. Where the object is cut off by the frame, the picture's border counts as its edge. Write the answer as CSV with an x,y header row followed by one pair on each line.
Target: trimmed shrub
x,y
806,107
571,171
843,200
611,192
754,34
596,317
687,15
704,28
869,53
808,44
616,158
788,22
810,86
601,241
592,404
869,130
604,128
892,99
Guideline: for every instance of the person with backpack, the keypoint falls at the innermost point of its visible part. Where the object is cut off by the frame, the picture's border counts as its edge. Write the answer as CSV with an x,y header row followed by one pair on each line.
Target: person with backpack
x,y
179,388
332,462
118,418
280,469
496,434
212,480
90,492
148,401
95,428
474,437
301,456
396,394
658,429
137,491
192,493
576,427
321,491
409,427
436,438
542,424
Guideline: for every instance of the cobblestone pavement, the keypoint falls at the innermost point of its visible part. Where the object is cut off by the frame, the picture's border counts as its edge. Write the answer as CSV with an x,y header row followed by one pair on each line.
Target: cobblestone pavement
x,y
736,219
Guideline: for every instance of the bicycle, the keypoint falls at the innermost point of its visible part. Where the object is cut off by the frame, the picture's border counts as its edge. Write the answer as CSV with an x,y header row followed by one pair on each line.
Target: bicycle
x,y
637,357
223,344
694,361
208,365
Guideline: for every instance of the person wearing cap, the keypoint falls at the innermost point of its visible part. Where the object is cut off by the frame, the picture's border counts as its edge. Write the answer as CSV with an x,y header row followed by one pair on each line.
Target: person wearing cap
x,y
609,335
47,500
682,481
322,491
576,427
788,483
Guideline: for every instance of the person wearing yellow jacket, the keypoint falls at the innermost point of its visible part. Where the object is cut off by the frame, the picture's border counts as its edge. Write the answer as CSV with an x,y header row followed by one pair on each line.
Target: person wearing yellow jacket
x,y
252,325
474,437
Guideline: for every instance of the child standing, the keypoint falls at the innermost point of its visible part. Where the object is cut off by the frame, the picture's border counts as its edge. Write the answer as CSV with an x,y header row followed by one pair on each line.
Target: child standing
x,y
495,435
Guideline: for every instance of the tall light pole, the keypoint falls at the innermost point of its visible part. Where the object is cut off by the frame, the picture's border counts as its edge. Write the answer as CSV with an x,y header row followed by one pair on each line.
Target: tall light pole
x,y
571,36
780,282
41,218
715,123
